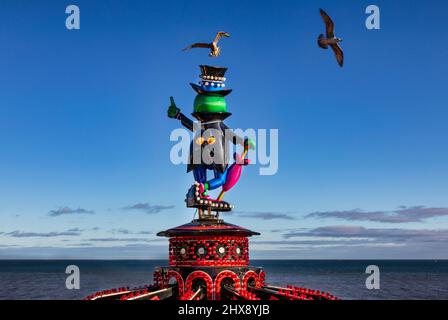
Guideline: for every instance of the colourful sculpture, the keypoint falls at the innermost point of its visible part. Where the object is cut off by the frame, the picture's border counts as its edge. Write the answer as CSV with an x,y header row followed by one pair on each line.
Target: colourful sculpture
x,y
209,148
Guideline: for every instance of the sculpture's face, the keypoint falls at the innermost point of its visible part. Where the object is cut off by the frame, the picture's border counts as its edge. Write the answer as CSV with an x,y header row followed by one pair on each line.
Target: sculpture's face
x,y
209,147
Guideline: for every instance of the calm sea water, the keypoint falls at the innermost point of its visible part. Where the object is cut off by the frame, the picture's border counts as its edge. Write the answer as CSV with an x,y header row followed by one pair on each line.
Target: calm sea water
x,y
400,279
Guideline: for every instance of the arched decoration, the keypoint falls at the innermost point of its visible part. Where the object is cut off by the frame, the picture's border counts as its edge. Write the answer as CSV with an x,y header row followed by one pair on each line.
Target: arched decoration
x,y
179,280
247,277
223,275
200,274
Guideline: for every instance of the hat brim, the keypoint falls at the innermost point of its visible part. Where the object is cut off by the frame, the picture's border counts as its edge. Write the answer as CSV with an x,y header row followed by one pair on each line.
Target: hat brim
x,y
199,90
210,116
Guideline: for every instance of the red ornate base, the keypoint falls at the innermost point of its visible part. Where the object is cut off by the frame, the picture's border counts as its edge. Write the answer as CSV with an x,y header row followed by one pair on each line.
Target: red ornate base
x,y
209,259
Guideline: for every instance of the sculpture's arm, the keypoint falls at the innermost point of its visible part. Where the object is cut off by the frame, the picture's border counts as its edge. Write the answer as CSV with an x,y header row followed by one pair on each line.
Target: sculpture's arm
x,y
174,113
236,139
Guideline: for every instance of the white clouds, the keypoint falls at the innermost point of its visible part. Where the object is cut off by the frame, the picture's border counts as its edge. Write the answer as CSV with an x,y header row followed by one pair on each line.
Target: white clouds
x,y
401,215
127,232
21,234
112,239
396,234
148,208
68,211
265,215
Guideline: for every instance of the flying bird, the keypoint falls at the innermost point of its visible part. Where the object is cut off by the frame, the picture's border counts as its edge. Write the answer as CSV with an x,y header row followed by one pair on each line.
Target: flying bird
x,y
213,46
330,39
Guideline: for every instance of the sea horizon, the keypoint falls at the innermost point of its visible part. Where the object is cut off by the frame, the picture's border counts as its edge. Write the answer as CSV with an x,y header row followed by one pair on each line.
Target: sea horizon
x,y
44,279
151,259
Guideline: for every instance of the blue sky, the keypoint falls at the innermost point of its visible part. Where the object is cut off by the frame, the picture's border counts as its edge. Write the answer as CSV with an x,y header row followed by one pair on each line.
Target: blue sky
x,y
84,135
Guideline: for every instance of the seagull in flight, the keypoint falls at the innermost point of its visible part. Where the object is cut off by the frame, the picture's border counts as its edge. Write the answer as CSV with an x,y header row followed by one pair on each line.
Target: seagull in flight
x,y
330,39
213,46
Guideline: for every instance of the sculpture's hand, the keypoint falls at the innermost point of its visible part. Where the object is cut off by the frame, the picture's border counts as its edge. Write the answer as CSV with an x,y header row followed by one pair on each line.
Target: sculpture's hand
x,y
173,110
250,143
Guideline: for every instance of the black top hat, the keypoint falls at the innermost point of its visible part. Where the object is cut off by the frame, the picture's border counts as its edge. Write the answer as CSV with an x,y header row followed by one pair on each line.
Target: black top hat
x,y
212,71
212,81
